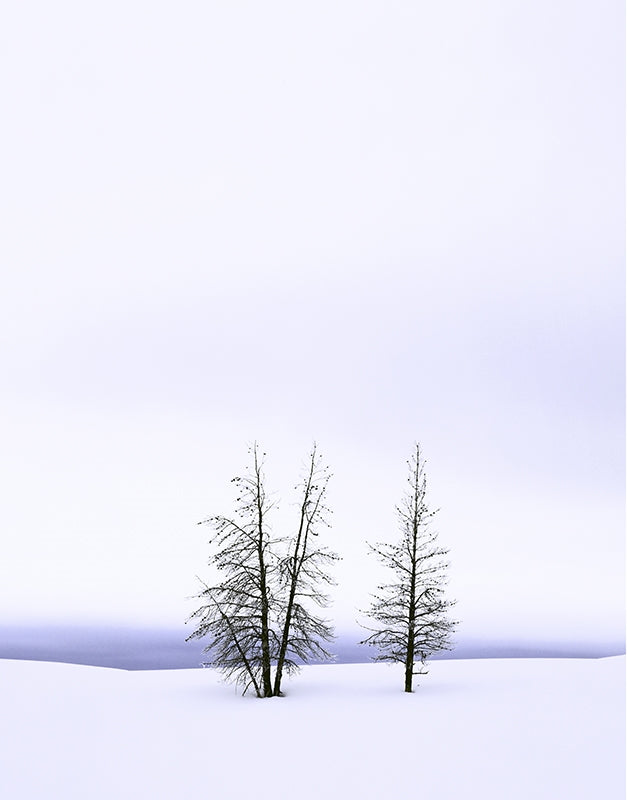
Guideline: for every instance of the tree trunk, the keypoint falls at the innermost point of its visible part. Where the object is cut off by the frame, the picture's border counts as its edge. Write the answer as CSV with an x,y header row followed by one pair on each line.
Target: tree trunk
x,y
278,675
266,677
411,622
409,674
409,658
294,582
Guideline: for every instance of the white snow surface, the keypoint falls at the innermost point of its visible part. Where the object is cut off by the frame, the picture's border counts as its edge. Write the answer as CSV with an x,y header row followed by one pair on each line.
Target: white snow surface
x,y
533,728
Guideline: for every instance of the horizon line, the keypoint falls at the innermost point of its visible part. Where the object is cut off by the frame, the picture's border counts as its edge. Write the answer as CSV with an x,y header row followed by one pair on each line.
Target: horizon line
x,y
154,648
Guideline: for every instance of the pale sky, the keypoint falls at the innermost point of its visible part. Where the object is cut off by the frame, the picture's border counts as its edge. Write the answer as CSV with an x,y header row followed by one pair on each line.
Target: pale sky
x,y
364,223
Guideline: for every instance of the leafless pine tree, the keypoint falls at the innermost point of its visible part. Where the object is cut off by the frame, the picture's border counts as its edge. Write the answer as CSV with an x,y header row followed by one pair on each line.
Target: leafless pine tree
x,y
259,615
410,613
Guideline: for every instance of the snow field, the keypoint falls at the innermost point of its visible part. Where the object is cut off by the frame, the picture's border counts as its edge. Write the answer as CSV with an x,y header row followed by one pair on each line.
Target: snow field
x,y
533,728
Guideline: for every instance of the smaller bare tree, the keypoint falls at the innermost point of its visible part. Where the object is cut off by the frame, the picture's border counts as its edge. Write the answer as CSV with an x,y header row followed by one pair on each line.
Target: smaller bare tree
x,y
410,612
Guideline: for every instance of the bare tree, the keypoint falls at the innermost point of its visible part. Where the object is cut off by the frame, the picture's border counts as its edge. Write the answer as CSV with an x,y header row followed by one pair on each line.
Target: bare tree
x,y
410,612
236,612
259,615
304,575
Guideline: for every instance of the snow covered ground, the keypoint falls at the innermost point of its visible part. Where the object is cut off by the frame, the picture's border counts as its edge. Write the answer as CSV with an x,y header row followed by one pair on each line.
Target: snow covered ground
x,y
506,729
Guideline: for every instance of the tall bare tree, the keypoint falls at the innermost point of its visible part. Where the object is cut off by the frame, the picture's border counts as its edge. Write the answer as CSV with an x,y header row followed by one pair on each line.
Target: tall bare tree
x,y
259,615
305,575
236,614
410,613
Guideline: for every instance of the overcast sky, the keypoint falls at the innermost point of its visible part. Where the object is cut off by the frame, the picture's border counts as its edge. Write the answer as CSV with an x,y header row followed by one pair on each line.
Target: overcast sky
x,y
364,223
